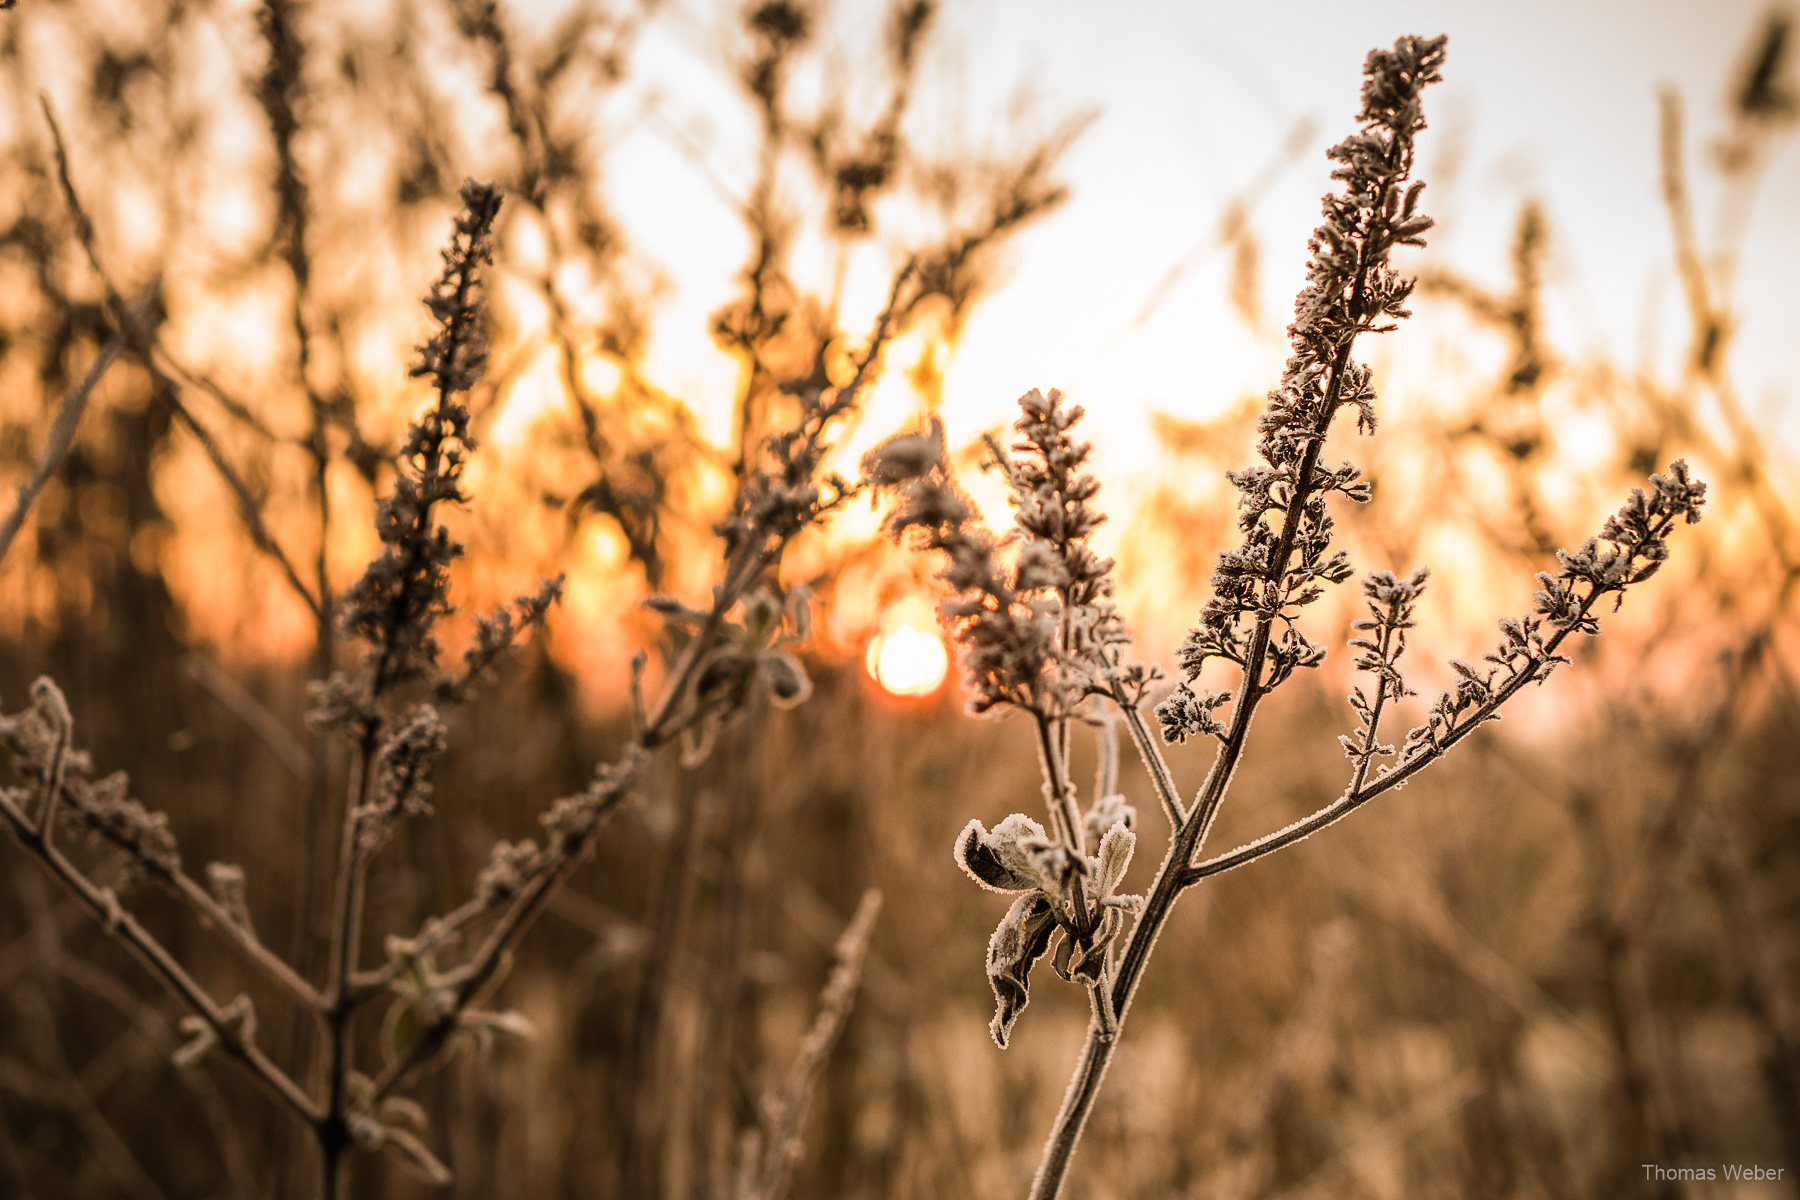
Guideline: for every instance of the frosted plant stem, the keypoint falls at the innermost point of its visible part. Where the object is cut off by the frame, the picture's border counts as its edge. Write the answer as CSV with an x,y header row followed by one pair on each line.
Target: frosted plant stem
x,y
1096,1055
785,1113
333,1131
643,1085
1156,765
1078,1101
1063,808
125,929
1056,781
1172,877
1106,774
675,710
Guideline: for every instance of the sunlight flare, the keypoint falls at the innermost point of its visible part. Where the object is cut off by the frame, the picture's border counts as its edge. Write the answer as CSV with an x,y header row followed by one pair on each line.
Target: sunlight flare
x,y
908,661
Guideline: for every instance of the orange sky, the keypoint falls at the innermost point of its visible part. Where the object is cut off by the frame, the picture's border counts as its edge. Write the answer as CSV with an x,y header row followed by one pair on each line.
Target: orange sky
x,y
1121,297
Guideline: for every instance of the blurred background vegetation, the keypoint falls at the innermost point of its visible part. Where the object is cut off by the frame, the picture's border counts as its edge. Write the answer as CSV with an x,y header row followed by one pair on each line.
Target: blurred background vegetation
x,y
1569,951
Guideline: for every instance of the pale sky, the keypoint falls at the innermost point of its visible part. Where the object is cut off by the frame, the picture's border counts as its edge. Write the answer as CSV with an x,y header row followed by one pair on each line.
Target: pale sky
x,y
1552,100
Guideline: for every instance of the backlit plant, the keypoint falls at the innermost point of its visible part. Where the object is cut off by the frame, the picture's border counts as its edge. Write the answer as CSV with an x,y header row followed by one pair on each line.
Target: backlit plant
x,y
1040,636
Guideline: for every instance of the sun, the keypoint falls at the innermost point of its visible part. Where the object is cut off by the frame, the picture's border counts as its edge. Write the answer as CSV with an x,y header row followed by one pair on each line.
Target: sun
x,y
908,661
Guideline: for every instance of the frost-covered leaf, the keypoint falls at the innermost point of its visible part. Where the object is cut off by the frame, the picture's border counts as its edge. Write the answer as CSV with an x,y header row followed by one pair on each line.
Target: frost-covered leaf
x,y
1019,941
411,1153
1084,961
512,1024
1005,860
400,1112
1115,856
697,740
484,1026
788,681
726,672
404,1026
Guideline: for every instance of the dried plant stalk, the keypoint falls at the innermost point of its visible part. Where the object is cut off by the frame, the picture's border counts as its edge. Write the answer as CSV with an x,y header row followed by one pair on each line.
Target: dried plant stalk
x,y
772,1156
1040,634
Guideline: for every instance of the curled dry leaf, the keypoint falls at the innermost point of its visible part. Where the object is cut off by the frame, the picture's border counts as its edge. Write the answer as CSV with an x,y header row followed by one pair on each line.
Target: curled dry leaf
x,y
1020,939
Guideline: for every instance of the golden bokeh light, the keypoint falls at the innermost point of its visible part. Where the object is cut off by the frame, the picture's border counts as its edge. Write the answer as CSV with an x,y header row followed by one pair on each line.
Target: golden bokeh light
x,y
908,661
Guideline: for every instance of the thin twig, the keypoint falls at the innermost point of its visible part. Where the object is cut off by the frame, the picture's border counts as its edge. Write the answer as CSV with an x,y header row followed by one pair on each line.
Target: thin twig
x,y
332,1131
212,915
750,559
1157,766
62,435
640,1077
280,94
216,917
787,1113
249,510
253,713
1712,332
143,338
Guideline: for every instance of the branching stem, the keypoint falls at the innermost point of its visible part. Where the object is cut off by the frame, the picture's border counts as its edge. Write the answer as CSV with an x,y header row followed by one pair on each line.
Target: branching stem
x,y
125,929
1361,793
677,709
1172,877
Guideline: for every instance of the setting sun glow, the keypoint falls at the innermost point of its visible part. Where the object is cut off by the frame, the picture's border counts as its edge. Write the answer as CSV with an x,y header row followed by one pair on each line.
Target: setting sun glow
x,y
908,661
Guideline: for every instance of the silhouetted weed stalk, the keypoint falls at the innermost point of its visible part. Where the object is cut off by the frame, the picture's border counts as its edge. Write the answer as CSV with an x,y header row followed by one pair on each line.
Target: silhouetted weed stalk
x,y
386,714
1040,635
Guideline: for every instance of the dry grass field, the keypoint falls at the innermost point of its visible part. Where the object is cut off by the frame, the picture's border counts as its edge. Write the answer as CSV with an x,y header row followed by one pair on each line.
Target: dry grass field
x,y
512,804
